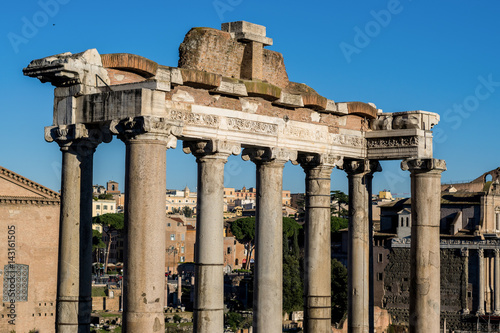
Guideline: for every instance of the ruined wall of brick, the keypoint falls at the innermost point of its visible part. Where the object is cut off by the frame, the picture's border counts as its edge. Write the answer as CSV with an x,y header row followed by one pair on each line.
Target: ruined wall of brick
x,y
211,50
397,283
453,281
215,51
274,70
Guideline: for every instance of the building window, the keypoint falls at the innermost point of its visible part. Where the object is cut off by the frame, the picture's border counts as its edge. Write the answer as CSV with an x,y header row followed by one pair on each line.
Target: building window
x,y
182,249
97,206
105,207
111,207
182,259
172,236
228,250
380,276
380,257
407,221
182,237
168,224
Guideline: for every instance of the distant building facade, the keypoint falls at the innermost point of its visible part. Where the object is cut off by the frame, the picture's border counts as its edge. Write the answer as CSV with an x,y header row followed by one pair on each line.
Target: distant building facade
x,y
470,256
29,221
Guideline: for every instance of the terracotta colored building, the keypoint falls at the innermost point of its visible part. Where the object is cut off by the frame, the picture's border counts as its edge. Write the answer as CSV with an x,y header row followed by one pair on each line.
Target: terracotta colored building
x,y
29,220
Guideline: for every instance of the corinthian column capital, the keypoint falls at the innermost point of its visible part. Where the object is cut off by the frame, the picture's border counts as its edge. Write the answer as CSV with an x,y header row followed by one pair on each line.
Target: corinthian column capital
x,y
147,127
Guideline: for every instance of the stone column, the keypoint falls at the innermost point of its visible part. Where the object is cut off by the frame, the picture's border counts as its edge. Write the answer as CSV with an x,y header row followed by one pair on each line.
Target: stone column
x,y
497,216
359,173
465,307
497,282
74,280
146,140
317,285
480,258
209,251
268,281
425,251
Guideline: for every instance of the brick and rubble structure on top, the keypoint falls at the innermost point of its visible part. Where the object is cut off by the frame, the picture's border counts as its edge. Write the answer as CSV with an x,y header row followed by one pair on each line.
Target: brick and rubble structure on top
x,y
230,93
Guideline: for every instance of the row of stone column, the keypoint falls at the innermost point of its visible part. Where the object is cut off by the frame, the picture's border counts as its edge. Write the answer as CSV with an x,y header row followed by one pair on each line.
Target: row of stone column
x,y
146,140
481,283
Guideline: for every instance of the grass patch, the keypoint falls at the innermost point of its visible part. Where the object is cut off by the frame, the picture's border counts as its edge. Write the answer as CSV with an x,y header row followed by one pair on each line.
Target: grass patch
x,y
98,291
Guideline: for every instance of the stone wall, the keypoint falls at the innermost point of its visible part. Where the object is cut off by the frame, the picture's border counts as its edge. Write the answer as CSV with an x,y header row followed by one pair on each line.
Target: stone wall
x,y
453,285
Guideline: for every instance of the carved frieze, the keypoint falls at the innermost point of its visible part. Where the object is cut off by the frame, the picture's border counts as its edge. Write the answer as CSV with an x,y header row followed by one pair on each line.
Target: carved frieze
x,y
252,126
305,133
348,140
190,118
396,142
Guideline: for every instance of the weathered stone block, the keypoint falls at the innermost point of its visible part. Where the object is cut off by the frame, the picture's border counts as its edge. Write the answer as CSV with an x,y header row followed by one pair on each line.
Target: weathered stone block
x,y
290,100
314,101
263,89
247,32
131,62
200,79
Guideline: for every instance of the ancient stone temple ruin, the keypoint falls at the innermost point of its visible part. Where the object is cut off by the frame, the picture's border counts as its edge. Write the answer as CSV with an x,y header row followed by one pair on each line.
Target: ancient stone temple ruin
x,y
230,95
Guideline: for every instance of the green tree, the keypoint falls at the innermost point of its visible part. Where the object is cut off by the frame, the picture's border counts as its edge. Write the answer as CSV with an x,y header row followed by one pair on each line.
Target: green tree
x,y
291,231
339,290
97,242
187,212
234,320
336,224
244,231
293,284
112,223
106,196
341,199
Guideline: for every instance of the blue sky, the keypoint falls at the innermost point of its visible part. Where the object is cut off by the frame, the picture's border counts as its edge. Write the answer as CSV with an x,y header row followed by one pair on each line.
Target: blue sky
x,y
438,56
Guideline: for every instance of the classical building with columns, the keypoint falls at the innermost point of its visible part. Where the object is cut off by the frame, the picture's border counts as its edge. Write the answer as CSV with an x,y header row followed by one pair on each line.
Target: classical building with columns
x,y
469,252
230,95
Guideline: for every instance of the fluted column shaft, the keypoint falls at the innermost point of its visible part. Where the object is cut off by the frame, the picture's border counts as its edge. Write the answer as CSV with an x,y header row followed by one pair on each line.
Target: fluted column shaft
x,y
317,284
359,174
74,278
425,252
